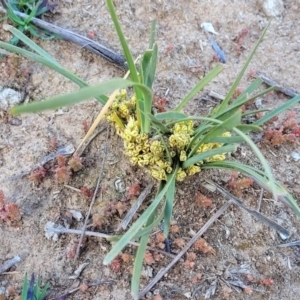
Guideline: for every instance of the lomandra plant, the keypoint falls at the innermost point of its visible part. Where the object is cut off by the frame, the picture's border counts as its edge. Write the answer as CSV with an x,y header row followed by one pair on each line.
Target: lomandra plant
x,y
171,145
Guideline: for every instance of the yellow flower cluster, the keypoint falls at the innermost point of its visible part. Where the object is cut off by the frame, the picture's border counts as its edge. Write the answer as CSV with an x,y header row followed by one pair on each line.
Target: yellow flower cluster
x,y
121,109
181,136
143,152
210,146
152,154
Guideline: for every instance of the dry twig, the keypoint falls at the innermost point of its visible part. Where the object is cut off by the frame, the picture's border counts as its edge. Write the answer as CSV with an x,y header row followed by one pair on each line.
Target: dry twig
x,y
93,199
279,87
254,213
61,229
78,39
187,246
135,207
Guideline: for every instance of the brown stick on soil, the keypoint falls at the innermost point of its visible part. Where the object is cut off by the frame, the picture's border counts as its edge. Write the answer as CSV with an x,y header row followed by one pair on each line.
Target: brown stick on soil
x,y
76,38
280,88
93,199
187,246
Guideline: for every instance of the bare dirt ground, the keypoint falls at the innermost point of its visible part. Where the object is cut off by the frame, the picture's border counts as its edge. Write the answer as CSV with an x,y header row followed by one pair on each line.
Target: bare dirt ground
x,y
240,242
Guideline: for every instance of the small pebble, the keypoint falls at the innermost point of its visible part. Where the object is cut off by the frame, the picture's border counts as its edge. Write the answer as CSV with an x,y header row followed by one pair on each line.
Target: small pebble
x,y
15,121
120,185
9,98
272,8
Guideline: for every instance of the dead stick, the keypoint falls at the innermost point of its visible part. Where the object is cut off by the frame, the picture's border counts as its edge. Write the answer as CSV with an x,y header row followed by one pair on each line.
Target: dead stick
x,y
101,235
76,38
187,246
135,207
280,88
93,199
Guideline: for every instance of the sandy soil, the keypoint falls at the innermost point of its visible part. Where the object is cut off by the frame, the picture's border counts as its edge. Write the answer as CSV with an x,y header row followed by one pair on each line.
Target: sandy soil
x,y
240,242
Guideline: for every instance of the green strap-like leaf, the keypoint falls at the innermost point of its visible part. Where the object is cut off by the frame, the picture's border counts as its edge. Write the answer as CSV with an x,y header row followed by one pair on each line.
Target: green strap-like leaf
x,y
136,226
170,196
199,86
227,125
170,115
240,75
33,45
260,177
59,69
209,153
139,258
160,126
78,96
277,111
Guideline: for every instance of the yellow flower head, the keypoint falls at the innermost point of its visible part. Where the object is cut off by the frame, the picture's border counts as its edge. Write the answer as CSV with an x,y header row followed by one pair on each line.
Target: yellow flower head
x,y
183,156
157,148
191,170
180,175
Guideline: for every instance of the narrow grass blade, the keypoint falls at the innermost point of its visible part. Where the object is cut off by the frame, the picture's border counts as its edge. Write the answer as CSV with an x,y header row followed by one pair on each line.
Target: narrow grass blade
x,y
126,50
152,34
262,159
227,140
51,65
160,126
240,75
170,115
254,112
78,96
31,44
217,130
155,223
236,105
260,177
170,196
277,111
138,262
24,288
200,85
136,226
201,156
148,66
246,128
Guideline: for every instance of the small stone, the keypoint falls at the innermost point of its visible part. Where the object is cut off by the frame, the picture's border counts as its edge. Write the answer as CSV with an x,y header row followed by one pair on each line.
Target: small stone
x,y
120,185
9,98
15,121
272,8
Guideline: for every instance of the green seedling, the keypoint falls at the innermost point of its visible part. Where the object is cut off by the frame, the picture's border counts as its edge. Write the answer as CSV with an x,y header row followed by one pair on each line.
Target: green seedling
x,y
32,290
32,9
171,145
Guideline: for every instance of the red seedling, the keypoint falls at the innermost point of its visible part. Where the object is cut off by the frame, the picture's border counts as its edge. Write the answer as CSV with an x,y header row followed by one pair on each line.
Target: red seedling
x,y
203,246
75,163
148,258
37,175
267,281
9,212
116,264
134,191
62,172
237,185
202,200
86,192
160,103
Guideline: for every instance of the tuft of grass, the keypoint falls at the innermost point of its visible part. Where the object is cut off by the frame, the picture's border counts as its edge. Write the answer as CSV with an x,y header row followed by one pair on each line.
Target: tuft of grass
x,y
32,290
31,8
170,145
